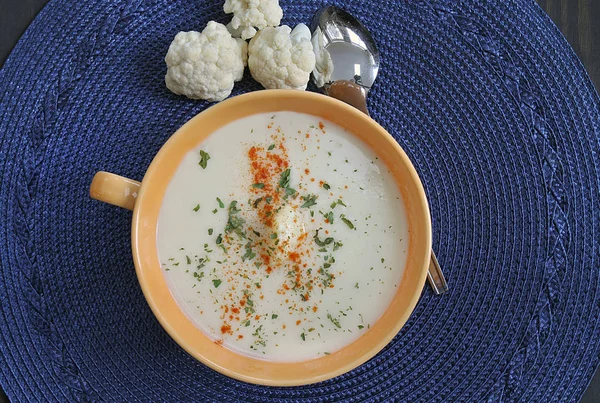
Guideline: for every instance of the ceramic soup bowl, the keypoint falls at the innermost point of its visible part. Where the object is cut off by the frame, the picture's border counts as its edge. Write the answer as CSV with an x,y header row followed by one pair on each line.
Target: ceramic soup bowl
x,y
145,199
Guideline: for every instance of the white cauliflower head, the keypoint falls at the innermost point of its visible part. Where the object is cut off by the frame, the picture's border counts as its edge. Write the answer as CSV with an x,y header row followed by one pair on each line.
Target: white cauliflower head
x,y
281,58
251,14
205,65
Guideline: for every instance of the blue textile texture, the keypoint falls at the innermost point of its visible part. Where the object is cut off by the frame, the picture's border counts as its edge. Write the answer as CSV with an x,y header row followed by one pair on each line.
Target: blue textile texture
x,y
487,98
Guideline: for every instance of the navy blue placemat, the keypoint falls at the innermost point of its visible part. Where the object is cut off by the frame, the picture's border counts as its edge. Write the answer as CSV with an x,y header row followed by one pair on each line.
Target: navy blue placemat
x,y
491,104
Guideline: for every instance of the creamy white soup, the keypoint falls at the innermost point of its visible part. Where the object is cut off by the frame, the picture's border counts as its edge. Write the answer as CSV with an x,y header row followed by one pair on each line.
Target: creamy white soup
x,y
282,236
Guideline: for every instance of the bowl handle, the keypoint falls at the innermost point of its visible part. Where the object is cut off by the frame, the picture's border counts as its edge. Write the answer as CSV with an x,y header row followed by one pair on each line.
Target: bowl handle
x,y
114,189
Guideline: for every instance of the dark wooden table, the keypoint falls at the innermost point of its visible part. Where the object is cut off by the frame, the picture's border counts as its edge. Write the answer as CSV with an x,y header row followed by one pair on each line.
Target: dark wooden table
x,y
578,20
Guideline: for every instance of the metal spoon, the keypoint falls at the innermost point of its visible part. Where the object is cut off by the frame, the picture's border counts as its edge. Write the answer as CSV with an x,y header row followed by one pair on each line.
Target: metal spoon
x,y
347,64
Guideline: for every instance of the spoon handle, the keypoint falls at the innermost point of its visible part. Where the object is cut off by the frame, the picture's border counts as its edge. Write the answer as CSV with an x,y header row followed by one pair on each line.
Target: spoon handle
x,y
353,94
350,93
436,278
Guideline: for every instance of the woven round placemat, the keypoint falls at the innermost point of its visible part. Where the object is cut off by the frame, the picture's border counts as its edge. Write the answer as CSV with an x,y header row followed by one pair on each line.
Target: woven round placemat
x,y
488,100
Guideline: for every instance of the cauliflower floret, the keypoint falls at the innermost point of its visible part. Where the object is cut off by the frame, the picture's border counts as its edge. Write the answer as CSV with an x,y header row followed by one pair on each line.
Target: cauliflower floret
x,y
250,14
205,65
282,58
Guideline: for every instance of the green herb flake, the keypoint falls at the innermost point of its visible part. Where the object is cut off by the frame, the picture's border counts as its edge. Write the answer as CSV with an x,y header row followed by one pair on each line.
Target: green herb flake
x,y
258,185
361,327
188,260
326,186
284,181
312,213
309,201
326,353
210,231
219,239
273,235
303,336
274,316
324,242
334,321
221,204
382,260
356,285
204,157
215,211
347,222
249,255
216,283
272,146
197,207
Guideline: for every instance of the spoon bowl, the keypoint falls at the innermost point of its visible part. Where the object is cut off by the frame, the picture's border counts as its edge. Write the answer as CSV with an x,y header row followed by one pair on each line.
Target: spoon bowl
x,y
349,45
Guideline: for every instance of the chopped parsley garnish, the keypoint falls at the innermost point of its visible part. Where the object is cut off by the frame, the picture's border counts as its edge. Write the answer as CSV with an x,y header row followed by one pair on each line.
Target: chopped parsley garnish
x,y
274,316
337,245
197,207
338,201
347,222
329,217
382,260
284,181
324,242
215,211
210,231
361,327
188,260
334,321
204,157
219,239
257,201
273,235
309,201
272,146
235,222
356,285
303,336
249,254
326,186
258,185
221,204
216,283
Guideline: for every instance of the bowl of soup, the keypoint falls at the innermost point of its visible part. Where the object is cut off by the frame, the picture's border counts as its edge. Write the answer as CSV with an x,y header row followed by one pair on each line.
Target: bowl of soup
x,y
280,237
